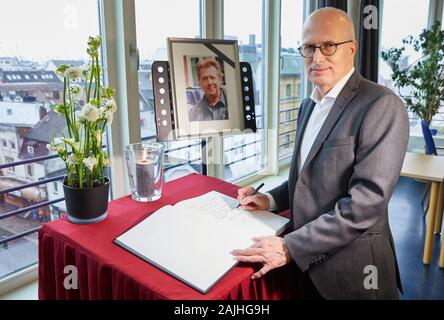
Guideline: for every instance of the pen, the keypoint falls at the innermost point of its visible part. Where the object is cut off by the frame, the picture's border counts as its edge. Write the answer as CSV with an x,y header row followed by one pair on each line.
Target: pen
x,y
255,191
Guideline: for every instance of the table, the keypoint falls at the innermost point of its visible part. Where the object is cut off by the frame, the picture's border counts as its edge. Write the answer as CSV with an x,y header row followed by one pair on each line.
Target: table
x,y
429,168
107,271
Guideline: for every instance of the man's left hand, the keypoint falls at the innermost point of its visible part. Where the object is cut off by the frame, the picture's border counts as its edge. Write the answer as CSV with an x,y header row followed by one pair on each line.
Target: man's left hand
x,y
270,251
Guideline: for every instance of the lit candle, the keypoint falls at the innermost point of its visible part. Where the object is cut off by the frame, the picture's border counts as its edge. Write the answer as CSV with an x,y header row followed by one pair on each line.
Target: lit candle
x,y
145,178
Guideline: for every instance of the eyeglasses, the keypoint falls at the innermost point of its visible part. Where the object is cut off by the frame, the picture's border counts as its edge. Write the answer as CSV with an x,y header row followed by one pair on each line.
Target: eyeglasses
x,y
328,48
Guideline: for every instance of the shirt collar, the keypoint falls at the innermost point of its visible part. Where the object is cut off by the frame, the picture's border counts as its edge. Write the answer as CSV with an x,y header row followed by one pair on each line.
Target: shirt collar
x,y
334,92
222,100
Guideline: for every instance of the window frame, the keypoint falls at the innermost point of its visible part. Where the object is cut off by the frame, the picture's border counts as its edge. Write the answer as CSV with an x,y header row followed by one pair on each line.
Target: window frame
x,y
9,160
55,187
30,170
27,274
435,13
308,7
30,149
117,26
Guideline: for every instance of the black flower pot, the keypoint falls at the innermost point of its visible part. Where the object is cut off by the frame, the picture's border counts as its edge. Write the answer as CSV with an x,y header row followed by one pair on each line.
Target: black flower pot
x,y
87,205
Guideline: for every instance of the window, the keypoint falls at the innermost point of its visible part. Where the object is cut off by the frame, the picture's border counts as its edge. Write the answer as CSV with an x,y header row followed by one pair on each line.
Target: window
x,y
247,29
399,21
9,160
152,44
12,144
287,141
55,186
29,170
62,37
287,116
4,144
292,75
182,157
30,149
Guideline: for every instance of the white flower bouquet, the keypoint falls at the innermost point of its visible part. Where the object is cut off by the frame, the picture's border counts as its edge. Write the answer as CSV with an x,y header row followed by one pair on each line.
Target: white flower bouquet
x,y
82,148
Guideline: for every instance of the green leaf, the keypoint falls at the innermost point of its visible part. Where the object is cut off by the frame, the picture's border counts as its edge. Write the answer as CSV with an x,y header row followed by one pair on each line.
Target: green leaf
x,y
423,77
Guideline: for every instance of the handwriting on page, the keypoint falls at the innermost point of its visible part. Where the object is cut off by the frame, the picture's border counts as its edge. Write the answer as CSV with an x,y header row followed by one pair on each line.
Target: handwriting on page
x,y
219,207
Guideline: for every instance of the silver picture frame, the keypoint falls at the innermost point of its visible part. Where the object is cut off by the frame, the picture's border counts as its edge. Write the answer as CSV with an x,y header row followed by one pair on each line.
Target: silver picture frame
x,y
206,86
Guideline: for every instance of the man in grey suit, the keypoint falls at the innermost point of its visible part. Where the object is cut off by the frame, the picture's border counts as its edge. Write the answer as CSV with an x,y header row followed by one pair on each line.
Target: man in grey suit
x,y
350,145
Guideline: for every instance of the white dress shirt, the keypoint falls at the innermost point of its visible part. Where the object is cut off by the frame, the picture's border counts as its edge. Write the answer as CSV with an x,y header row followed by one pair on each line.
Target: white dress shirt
x,y
317,119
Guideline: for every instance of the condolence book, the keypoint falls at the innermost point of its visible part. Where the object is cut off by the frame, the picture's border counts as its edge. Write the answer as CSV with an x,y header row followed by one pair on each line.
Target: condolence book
x,y
192,240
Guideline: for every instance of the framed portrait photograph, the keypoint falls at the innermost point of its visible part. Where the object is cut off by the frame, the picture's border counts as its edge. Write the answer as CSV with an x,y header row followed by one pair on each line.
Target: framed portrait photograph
x,y
206,85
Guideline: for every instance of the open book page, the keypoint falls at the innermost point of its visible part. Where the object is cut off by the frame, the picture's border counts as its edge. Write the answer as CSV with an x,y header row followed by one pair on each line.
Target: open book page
x,y
192,240
218,207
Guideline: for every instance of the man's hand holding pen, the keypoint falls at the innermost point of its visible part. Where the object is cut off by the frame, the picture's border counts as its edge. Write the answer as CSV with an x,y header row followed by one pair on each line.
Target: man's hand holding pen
x,y
250,199
271,251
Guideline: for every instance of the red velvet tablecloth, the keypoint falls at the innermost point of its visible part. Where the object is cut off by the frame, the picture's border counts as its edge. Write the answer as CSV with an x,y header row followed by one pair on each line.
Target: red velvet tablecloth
x,y
107,271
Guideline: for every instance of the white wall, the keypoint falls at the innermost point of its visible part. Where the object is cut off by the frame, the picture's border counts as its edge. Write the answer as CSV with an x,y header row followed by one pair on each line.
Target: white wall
x,y
21,113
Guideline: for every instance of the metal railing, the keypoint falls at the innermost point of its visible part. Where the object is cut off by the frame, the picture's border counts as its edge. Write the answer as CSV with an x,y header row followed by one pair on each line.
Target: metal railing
x,y
182,147
281,123
167,167
257,141
176,165
27,161
188,146
287,143
287,132
441,116
19,235
25,186
60,178
288,121
243,158
242,146
32,184
290,109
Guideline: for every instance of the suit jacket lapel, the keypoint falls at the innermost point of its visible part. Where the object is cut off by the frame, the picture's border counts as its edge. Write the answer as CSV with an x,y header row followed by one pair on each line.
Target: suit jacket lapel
x,y
346,95
305,114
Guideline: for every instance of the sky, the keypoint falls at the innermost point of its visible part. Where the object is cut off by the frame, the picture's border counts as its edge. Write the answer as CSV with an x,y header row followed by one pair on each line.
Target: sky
x,y
411,18
402,18
46,29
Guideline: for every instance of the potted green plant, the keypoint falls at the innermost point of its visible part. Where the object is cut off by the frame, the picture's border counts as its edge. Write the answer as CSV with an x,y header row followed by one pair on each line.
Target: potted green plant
x,y
85,186
424,78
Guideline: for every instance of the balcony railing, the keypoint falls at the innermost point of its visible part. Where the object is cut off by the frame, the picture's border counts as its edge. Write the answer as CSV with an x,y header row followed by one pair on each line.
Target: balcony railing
x,y
286,144
167,167
42,204
281,124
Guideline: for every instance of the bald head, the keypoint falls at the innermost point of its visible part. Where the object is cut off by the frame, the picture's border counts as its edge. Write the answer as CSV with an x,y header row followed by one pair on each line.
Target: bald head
x,y
330,19
331,31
